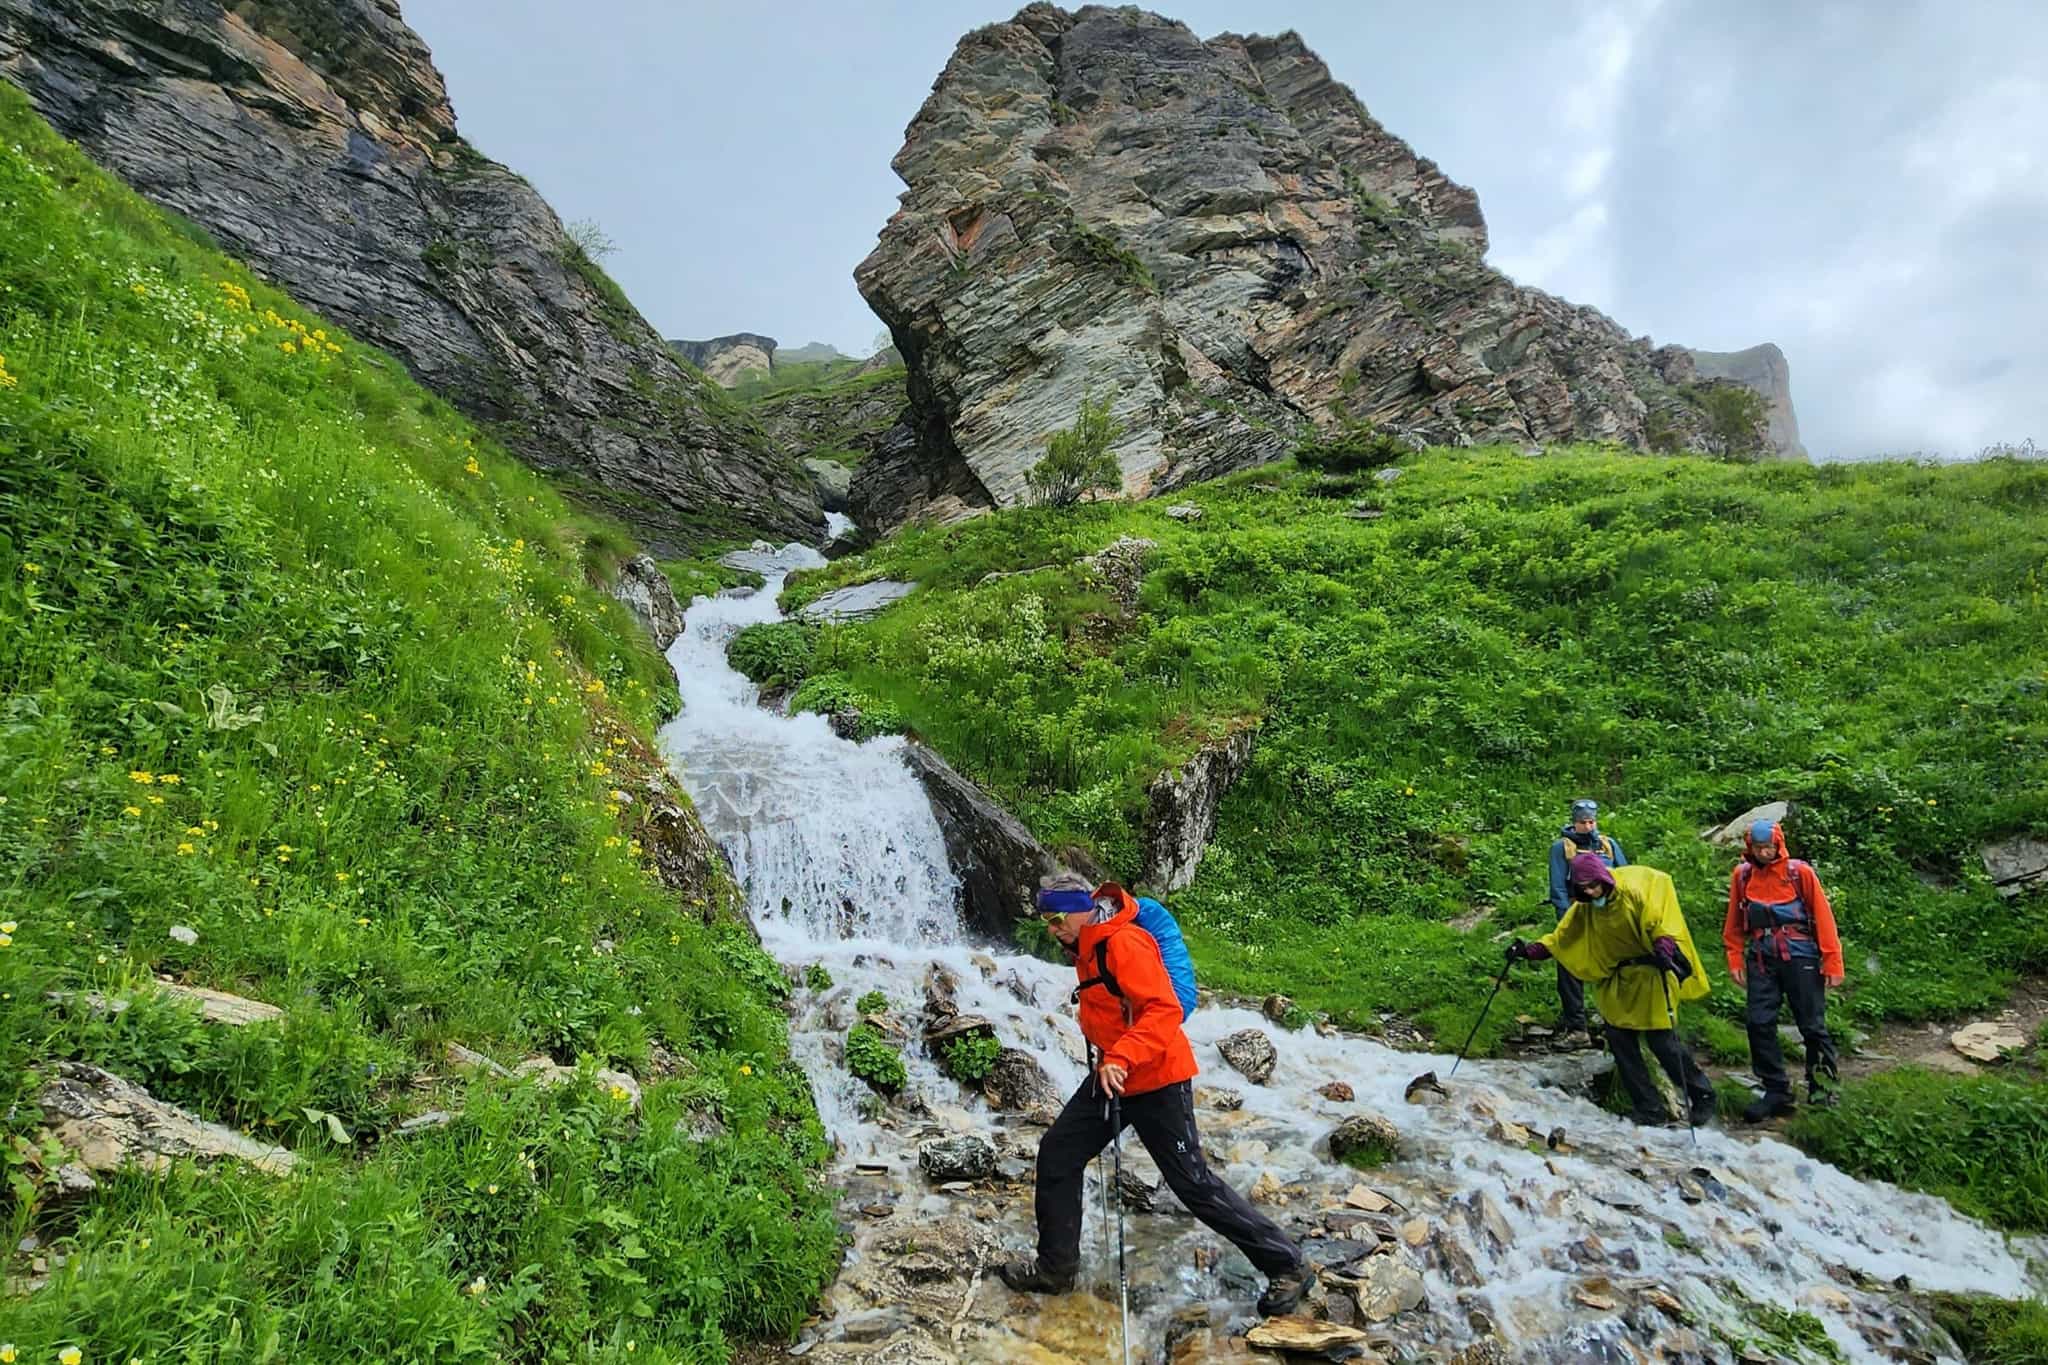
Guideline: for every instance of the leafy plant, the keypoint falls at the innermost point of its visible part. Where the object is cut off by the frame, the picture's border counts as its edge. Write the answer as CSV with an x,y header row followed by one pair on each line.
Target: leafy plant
x,y
1993,1331
1077,460
773,653
970,1057
872,1002
870,1056
816,978
1353,450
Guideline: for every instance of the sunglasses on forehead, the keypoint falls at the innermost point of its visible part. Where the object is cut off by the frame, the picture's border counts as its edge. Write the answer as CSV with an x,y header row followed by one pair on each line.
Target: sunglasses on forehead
x,y
1064,902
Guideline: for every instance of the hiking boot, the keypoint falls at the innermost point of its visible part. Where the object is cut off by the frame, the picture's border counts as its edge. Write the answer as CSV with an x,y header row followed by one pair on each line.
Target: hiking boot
x,y
1284,1292
1768,1107
1029,1277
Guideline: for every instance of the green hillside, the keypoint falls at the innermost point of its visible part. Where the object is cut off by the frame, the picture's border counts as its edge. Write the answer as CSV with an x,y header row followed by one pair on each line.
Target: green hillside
x,y
299,661
1439,663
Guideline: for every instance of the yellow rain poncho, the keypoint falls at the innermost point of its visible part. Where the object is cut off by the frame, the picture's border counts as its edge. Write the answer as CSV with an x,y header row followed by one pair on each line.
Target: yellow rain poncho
x,y
1593,944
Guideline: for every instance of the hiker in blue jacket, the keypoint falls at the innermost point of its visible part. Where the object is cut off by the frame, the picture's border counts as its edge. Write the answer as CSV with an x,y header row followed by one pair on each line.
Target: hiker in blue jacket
x,y
1581,834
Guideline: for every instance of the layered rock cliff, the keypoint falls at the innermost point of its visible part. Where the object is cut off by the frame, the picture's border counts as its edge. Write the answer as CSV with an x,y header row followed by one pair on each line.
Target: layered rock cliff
x,y
1762,368
728,359
1221,240
314,138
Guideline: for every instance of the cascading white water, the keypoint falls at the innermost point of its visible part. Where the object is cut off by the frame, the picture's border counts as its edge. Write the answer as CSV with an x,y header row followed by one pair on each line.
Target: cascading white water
x,y
844,866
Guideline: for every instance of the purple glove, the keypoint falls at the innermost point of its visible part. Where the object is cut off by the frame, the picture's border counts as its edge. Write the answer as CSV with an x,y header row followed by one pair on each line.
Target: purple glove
x,y
1527,950
1665,950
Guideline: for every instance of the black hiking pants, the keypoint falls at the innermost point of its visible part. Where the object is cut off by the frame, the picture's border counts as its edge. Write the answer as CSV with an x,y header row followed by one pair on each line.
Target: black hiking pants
x,y
1775,982
1571,996
1165,1121
1646,1105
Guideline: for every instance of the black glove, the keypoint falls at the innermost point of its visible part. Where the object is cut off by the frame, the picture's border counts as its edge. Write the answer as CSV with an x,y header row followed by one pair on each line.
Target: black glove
x,y
1669,959
1525,950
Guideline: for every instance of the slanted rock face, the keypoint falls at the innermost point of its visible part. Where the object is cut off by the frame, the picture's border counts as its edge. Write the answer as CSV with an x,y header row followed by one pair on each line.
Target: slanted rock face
x,y
729,359
1762,368
314,139
1219,239
647,593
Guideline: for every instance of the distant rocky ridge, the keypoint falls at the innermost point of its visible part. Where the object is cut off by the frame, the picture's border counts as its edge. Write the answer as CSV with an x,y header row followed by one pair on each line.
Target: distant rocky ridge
x,y
728,359
1762,368
314,139
1221,240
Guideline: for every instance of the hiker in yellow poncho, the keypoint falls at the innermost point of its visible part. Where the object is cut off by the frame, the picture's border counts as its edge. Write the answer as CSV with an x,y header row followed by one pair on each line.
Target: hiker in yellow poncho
x,y
1625,936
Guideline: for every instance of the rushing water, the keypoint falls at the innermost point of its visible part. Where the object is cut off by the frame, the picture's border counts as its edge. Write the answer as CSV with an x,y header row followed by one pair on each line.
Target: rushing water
x,y
844,866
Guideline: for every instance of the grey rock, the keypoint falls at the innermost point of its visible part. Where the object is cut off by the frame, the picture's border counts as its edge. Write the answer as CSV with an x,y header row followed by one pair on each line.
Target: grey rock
x,y
1017,1084
996,859
856,603
833,480
2017,864
850,416
1251,1053
647,593
1182,511
728,359
964,1157
1217,237
1730,834
314,139
1361,1132
107,1123
1120,567
1180,810
1762,368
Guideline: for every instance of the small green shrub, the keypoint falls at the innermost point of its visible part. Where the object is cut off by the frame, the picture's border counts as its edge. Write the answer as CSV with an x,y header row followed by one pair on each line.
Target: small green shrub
x,y
1992,1331
817,978
773,653
870,1057
1077,460
874,1002
832,695
1975,1141
1354,450
970,1056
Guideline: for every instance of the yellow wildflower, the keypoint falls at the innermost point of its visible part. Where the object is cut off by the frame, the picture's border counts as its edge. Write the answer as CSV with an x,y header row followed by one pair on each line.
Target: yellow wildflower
x,y
746,1070
341,876
472,467
31,568
169,779
194,830
184,849
6,940
140,290
70,1355
142,775
490,1189
155,800
132,812
7,1355
8,926
289,348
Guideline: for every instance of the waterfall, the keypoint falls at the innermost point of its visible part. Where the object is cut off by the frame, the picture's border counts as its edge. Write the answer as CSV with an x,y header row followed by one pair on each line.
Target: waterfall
x,y
844,867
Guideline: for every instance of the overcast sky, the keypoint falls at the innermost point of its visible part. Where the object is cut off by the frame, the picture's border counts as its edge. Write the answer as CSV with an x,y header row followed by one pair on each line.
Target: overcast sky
x,y
1864,182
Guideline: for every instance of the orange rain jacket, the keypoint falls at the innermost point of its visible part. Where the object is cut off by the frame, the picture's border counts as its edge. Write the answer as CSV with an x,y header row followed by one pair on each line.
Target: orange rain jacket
x,y
1774,885
1140,1031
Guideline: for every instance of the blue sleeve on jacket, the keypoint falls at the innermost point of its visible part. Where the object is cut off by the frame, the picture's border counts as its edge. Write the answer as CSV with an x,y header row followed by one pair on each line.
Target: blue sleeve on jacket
x,y
1560,899
1620,858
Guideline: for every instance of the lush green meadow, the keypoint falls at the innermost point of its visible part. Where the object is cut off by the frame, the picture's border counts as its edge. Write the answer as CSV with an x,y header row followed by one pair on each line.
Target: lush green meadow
x,y
299,661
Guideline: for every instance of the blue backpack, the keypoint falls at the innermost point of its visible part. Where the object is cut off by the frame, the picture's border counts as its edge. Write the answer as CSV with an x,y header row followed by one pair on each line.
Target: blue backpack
x,y
1158,921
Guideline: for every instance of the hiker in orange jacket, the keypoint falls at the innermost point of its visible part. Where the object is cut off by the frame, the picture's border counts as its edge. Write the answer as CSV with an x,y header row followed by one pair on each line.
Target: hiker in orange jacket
x,y
1782,948
1142,1059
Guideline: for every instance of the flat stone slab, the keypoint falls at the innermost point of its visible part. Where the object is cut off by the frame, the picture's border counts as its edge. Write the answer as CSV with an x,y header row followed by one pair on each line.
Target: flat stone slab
x,y
110,1123
856,603
216,1007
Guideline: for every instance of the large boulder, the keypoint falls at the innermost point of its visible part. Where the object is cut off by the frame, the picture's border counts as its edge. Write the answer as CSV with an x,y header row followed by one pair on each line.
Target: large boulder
x,y
1220,240
965,1157
647,593
1730,834
1017,1084
2017,864
314,139
1180,810
1250,1052
994,856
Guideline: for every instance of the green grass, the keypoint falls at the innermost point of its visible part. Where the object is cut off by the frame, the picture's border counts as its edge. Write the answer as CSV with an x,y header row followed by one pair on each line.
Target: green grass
x,y
1679,638
1994,1331
1979,1142
298,659
773,653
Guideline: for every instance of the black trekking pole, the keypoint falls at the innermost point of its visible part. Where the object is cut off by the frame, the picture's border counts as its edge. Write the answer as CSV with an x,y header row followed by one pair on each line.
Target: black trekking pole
x,y
1684,1057
1482,1014
1123,1279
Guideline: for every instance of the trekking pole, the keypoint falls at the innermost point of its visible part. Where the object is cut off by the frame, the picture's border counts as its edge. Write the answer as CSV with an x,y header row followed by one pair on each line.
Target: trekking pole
x,y
1123,1279
1482,1016
1684,1058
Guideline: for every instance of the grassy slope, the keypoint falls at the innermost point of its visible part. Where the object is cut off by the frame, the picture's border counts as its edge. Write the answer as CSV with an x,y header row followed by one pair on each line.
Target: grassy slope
x,y
1677,637
297,659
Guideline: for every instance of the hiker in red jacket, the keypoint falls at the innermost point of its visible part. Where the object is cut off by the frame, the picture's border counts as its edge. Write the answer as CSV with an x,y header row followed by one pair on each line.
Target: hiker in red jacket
x,y
1140,1055
1781,944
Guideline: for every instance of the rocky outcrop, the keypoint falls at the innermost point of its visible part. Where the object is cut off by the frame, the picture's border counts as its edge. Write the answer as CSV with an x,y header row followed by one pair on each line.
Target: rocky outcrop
x,y
833,479
1180,810
994,856
2016,865
915,476
1219,239
106,1123
315,140
1762,368
648,594
848,418
727,360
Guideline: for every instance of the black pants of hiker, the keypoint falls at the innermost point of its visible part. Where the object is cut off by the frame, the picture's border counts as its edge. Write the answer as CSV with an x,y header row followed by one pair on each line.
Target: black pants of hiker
x,y
1165,1121
1645,1103
1775,982
1571,997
